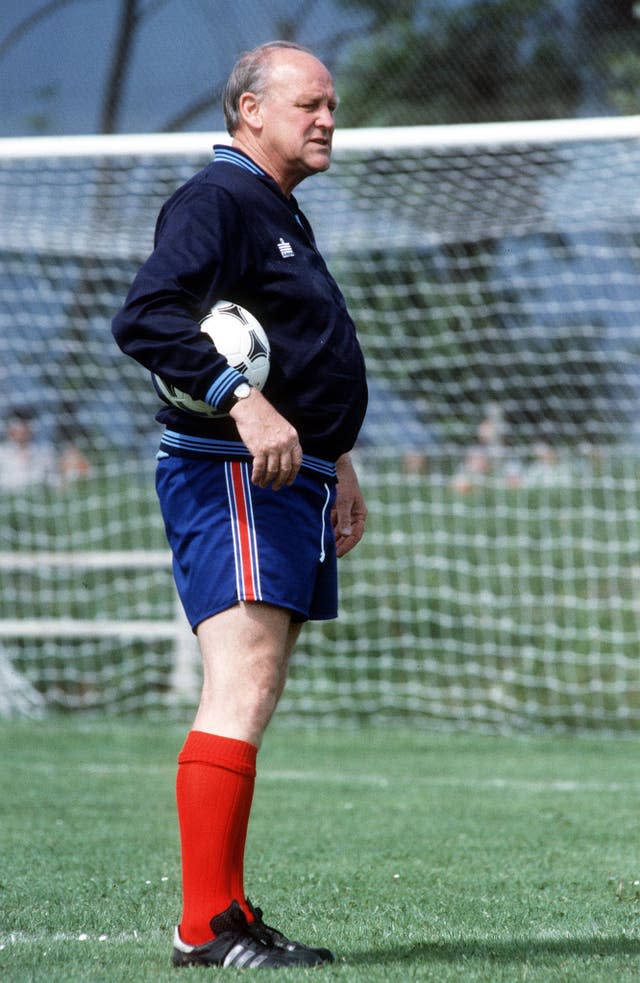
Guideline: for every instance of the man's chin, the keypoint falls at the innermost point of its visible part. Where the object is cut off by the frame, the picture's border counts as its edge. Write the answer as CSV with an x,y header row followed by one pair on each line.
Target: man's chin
x,y
320,161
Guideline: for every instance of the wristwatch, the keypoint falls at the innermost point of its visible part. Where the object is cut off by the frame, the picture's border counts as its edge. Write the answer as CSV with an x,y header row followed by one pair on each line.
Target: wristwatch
x,y
242,390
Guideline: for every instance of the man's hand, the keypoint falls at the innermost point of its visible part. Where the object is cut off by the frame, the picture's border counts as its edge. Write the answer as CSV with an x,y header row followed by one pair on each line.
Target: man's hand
x,y
349,514
270,439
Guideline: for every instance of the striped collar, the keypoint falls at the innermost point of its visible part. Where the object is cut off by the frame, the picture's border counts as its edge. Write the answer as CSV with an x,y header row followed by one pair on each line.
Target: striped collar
x,y
229,155
222,154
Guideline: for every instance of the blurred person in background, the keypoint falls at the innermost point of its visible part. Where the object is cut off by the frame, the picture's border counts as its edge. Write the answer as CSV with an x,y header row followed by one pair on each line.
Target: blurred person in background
x,y
27,460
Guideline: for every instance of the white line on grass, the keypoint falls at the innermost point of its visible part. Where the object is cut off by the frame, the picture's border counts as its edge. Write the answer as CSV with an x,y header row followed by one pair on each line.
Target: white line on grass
x,y
328,778
497,784
491,783
28,938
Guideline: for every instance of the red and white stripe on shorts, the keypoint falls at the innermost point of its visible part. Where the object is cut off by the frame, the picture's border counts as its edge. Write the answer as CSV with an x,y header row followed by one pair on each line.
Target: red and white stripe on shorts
x,y
245,548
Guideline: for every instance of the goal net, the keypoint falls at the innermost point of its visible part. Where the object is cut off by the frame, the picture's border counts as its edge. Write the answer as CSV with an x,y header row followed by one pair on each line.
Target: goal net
x,y
493,272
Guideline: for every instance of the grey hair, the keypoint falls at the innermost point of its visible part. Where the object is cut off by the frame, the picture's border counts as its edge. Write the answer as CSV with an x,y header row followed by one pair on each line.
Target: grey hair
x,y
250,74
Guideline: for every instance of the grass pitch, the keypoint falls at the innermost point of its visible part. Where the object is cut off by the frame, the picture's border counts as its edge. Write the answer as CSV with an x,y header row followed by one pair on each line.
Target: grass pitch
x,y
415,856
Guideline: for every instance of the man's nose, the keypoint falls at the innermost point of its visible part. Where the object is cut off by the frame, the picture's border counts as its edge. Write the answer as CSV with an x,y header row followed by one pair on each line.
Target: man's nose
x,y
325,118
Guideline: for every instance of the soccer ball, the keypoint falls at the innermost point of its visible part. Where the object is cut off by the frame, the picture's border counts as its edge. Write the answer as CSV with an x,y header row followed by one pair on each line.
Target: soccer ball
x,y
237,335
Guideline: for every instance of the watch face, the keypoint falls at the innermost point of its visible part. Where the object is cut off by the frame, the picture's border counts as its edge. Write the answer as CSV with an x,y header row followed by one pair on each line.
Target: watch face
x,y
242,390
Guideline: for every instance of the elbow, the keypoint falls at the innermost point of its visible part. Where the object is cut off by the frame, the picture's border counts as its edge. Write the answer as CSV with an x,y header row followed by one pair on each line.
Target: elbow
x,y
119,330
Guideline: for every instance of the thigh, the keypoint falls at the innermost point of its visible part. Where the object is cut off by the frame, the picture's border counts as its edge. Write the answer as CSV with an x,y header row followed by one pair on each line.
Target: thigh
x,y
245,653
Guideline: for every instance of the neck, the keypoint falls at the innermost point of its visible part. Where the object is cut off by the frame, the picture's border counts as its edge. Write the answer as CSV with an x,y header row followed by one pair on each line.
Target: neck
x,y
253,150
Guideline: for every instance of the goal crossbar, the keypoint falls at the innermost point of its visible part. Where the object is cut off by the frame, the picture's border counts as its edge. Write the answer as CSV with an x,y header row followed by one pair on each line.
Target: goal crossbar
x,y
357,139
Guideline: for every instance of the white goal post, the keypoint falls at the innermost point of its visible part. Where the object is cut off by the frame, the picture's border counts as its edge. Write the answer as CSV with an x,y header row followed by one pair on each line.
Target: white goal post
x,y
65,627
494,275
184,676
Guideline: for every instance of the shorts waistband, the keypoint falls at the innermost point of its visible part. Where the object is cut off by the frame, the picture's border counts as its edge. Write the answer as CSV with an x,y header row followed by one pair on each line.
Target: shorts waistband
x,y
179,444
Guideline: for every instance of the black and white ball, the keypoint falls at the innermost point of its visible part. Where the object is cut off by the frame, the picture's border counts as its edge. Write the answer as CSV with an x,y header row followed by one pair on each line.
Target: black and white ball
x,y
237,335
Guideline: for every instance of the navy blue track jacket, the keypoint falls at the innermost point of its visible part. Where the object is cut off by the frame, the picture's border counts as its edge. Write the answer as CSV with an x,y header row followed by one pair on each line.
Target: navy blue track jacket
x,y
230,234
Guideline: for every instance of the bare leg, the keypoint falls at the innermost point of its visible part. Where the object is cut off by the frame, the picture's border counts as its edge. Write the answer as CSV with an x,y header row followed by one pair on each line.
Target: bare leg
x,y
245,653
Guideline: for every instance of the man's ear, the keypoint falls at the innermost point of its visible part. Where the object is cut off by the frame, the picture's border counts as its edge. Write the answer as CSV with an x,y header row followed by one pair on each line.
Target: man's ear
x,y
250,110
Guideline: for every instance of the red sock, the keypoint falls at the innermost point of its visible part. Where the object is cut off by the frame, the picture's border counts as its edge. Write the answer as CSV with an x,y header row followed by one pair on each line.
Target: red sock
x,y
214,790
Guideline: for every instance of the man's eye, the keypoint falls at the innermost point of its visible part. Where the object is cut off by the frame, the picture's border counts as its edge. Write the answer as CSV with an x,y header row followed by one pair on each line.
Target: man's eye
x,y
314,107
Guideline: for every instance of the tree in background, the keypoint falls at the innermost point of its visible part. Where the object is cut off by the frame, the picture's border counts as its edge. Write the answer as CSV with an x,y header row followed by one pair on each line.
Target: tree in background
x,y
610,35
132,29
131,18
418,61
432,62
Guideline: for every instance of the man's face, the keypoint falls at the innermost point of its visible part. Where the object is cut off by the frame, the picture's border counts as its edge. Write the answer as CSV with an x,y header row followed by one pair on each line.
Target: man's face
x,y
297,116
19,431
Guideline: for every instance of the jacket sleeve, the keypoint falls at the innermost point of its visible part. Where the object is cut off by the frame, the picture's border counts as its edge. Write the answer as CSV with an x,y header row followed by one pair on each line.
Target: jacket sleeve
x,y
198,259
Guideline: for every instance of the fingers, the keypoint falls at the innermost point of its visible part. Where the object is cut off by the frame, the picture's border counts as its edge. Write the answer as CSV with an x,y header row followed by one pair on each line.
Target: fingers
x,y
348,536
277,468
349,515
271,440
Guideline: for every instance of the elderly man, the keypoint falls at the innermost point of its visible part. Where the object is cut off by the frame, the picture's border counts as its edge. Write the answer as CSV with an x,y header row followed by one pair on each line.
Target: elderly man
x,y
271,471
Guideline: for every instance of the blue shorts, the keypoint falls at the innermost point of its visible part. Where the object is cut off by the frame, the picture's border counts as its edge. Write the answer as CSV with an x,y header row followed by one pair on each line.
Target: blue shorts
x,y
233,541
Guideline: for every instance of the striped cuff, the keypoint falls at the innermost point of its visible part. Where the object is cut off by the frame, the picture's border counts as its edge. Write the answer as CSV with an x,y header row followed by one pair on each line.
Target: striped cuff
x,y
223,386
